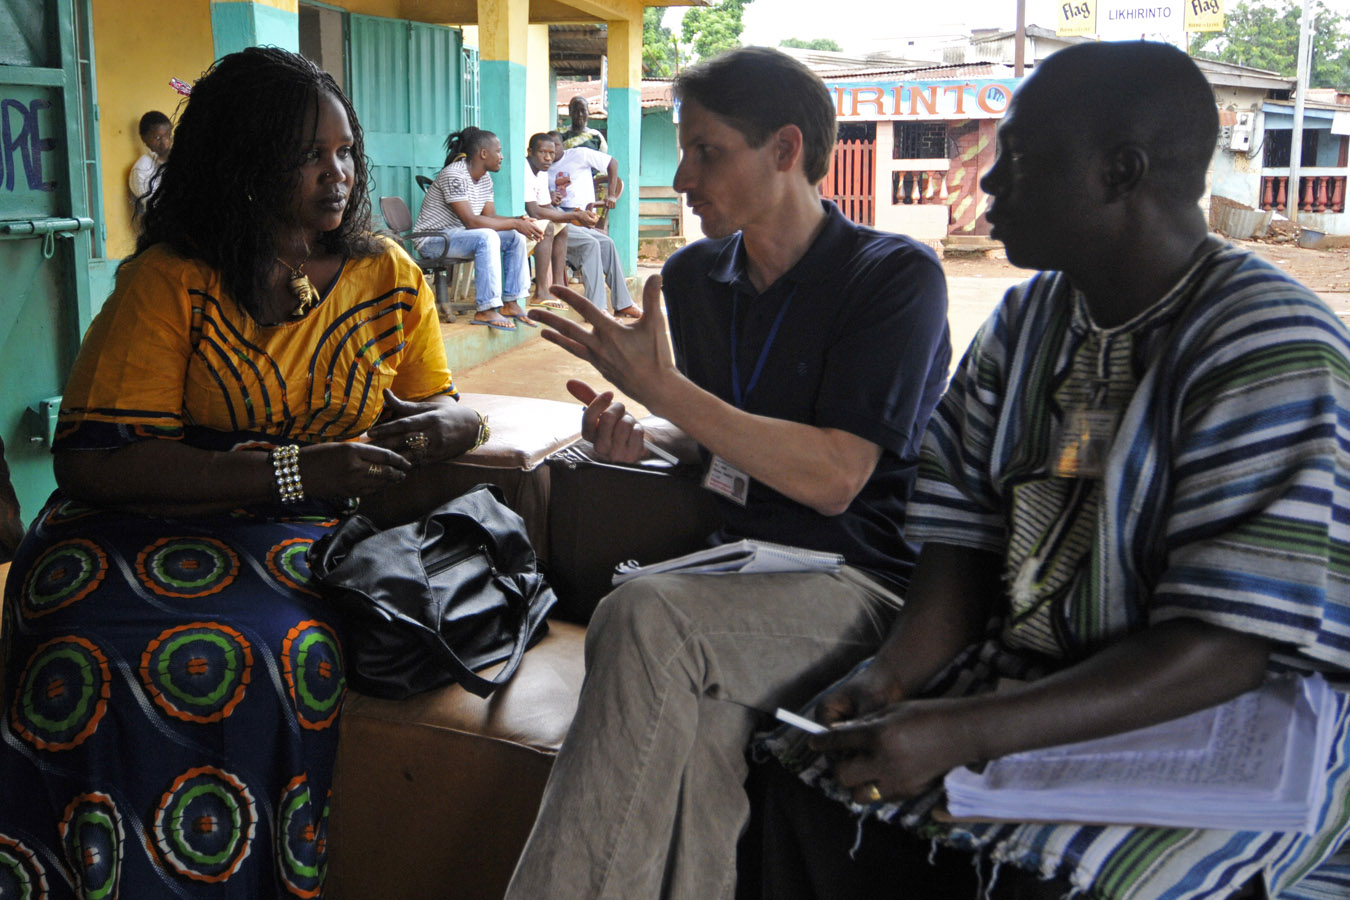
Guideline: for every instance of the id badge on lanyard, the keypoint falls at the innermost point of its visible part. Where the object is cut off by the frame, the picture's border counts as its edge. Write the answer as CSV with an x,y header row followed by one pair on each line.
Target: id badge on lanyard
x,y
1085,442
722,478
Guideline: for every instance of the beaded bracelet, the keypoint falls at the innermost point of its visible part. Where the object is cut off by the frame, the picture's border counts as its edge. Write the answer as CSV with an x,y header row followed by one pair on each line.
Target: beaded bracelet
x,y
286,470
484,432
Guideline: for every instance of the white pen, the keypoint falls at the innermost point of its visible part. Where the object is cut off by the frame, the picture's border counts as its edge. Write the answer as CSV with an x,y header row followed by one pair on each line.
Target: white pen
x,y
659,453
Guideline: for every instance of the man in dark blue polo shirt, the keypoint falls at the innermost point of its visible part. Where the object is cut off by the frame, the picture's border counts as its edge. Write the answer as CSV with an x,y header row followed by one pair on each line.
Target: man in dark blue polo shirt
x,y
808,354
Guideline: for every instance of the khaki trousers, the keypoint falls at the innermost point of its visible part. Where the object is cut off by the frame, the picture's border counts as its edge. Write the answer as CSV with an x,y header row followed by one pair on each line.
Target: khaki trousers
x,y
646,798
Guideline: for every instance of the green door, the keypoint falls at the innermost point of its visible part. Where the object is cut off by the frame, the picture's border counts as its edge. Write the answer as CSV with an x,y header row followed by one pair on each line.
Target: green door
x,y
405,80
44,232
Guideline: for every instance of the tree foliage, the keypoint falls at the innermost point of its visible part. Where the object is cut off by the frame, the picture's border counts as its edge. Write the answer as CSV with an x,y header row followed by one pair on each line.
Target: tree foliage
x,y
813,44
1266,36
712,29
658,44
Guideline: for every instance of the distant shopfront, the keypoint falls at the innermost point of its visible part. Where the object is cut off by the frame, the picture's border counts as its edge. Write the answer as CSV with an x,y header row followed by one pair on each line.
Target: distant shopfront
x,y
913,145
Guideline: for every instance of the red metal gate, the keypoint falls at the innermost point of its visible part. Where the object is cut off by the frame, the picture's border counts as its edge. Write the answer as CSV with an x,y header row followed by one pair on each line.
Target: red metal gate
x,y
850,181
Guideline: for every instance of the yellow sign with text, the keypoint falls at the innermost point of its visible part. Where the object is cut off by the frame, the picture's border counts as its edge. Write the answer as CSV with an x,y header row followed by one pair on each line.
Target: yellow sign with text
x,y
1204,15
1079,17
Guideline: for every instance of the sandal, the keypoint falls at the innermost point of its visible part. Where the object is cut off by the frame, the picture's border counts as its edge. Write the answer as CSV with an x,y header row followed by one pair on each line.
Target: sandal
x,y
522,319
501,326
628,312
549,304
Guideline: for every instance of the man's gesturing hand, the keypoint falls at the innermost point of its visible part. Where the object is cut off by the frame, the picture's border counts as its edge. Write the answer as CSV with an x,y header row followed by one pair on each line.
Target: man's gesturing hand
x,y
635,357
617,436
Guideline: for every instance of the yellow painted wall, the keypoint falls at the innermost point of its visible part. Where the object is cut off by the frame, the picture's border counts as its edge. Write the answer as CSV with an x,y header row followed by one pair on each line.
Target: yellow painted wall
x,y
135,58
538,116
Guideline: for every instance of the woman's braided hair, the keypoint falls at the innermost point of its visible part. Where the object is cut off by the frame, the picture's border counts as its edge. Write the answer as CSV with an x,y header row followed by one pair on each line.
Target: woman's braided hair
x,y
223,196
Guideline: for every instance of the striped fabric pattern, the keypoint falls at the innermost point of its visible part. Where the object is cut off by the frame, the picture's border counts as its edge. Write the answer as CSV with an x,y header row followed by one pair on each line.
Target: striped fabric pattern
x,y
1226,498
171,350
452,185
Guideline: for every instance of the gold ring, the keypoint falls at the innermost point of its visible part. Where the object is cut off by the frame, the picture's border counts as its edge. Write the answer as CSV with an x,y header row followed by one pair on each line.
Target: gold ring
x,y
872,792
375,470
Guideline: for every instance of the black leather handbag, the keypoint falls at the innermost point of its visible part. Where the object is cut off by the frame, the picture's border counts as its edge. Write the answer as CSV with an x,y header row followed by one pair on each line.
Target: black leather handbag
x,y
430,601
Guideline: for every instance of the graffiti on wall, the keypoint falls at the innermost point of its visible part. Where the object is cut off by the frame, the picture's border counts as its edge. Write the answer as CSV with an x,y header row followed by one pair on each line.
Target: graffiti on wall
x,y
22,145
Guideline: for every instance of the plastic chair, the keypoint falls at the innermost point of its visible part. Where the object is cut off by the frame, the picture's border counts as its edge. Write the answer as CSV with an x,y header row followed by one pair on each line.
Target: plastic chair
x,y
423,182
399,219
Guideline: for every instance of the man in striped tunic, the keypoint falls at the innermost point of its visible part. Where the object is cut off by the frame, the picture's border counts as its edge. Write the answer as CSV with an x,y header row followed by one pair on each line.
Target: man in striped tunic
x,y
1133,496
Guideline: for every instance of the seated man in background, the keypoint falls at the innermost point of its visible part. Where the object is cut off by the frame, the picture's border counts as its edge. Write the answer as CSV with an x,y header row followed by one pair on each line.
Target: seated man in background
x,y
808,426
590,250
550,256
1139,478
460,204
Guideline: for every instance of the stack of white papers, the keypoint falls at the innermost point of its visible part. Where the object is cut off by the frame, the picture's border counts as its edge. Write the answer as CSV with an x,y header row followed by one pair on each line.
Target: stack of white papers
x,y
741,557
1255,763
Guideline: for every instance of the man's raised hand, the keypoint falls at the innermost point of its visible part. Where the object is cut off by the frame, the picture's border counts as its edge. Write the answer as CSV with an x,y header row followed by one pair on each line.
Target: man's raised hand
x,y
635,357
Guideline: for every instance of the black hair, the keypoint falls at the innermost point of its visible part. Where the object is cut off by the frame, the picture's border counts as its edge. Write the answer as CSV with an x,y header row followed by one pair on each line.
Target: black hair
x,y
466,143
1146,93
223,196
153,119
537,138
759,90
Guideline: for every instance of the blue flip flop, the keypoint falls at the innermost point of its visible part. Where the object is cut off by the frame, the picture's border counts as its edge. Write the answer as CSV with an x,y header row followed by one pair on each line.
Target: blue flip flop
x,y
524,320
497,325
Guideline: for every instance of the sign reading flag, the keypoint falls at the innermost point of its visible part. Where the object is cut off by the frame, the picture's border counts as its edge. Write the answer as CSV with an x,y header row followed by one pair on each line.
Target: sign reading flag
x,y
1077,17
1204,15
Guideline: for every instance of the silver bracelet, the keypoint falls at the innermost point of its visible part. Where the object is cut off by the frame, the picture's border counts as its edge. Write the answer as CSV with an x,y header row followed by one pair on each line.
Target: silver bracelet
x,y
286,471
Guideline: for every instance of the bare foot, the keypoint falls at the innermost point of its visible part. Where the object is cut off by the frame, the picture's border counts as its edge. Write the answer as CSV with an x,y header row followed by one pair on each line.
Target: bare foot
x,y
628,312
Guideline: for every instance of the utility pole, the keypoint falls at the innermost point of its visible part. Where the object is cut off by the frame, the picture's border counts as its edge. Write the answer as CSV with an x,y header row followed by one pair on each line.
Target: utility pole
x,y
1020,54
1300,93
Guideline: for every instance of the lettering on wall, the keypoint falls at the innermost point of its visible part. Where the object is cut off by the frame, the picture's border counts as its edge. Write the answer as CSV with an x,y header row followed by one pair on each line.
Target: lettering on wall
x,y
22,144
922,100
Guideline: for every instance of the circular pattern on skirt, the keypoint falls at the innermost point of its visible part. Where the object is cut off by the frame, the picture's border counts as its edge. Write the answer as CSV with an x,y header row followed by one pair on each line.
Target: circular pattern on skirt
x,y
92,836
311,660
205,823
187,567
302,842
21,874
286,562
66,573
62,695
197,672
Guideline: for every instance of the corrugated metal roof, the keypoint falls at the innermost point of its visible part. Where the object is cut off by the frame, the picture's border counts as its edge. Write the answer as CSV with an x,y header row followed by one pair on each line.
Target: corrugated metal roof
x,y
655,95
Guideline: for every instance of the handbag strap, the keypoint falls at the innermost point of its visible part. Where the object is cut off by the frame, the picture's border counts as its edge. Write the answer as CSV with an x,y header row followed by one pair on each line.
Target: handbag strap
x,y
470,680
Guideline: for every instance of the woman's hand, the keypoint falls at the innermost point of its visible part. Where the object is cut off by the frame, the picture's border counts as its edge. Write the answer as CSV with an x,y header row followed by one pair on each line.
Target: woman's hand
x,y
427,431
349,469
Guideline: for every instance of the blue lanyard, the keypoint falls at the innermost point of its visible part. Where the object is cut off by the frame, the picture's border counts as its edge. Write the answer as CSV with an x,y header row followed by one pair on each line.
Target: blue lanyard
x,y
737,391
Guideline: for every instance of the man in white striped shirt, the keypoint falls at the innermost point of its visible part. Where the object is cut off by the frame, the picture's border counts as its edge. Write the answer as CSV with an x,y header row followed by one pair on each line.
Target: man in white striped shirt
x,y
459,204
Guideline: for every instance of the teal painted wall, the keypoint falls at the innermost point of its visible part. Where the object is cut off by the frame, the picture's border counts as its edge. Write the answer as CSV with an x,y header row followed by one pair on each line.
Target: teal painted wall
x,y
45,303
502,87
236,24
660,147
405,82
625,145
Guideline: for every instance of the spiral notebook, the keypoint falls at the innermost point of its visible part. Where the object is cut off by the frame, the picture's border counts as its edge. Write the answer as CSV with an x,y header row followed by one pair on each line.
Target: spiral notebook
x,y
743,557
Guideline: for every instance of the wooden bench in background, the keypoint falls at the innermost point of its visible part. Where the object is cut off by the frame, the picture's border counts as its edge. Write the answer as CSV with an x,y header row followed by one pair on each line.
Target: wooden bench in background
x,y
659,212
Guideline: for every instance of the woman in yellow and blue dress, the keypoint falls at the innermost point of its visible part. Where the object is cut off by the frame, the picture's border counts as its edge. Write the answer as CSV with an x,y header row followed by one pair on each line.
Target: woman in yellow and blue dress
x,y
172,681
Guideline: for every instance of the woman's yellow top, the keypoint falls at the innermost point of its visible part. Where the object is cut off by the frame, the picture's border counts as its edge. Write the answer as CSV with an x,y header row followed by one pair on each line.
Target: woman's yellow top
x,y
171,352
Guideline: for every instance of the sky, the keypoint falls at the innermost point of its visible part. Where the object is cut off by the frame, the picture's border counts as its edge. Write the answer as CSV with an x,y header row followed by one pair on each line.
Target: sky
x,y
863,26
